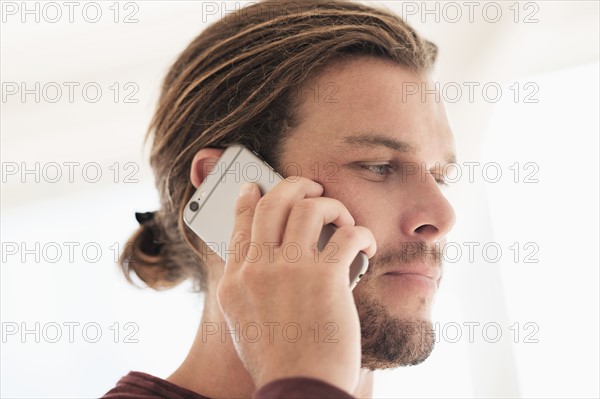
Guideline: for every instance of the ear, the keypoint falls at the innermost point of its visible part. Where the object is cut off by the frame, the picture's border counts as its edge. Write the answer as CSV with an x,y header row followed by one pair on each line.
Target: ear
x,y
203,163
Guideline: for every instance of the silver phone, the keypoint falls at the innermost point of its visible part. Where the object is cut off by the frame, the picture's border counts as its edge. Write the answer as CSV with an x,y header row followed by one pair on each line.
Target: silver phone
x,y
210,213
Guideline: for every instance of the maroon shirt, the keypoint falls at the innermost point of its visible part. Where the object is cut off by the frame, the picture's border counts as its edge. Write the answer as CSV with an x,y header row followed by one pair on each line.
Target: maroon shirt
x,y
137,385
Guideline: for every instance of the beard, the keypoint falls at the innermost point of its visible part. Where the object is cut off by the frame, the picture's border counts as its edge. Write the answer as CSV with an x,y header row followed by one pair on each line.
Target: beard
x,y
389,341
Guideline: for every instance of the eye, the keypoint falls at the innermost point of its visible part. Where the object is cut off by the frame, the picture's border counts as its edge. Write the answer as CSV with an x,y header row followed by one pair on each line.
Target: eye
x,y
383,169
439,179
441,182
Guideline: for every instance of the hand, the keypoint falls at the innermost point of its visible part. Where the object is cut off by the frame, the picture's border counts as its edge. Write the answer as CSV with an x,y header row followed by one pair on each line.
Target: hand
x,y
282,281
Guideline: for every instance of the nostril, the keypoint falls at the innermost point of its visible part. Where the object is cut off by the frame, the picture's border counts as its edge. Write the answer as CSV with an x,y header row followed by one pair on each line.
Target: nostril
x,y
426,229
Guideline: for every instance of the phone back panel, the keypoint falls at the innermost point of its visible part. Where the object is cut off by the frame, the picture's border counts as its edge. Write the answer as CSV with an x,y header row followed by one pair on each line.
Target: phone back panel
x,y
214,218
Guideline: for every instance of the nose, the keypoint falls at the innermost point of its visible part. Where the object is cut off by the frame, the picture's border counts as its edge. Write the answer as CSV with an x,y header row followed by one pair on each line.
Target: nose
x,y
429,216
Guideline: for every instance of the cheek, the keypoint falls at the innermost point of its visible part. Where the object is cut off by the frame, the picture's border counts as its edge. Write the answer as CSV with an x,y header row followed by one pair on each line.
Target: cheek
x,y
366,206
351,195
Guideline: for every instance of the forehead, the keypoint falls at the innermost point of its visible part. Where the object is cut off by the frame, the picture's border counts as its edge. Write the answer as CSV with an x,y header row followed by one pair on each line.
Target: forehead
x,y
367,96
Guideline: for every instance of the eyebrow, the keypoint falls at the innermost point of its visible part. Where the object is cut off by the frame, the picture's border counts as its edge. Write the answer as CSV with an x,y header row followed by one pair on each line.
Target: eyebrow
x,y
380,140
377,140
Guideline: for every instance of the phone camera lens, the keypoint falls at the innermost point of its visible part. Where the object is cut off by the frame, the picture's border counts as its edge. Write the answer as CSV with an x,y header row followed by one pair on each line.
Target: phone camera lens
x,y
194,206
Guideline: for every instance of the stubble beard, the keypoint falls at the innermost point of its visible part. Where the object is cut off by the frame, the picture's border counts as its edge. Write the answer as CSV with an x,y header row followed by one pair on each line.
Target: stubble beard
x,y
389,341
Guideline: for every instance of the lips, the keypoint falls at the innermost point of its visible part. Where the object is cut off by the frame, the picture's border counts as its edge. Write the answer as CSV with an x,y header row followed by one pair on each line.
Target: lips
x,y
433,273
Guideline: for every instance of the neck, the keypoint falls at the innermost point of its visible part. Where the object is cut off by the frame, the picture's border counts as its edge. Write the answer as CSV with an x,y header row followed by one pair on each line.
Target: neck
x,y
213,368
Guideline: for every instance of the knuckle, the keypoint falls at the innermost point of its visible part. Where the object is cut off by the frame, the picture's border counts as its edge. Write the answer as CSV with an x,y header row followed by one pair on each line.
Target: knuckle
x,y
348,233
305,181
240,236
367,231
335,201
305,207
243,210
294,179
338,204
266,203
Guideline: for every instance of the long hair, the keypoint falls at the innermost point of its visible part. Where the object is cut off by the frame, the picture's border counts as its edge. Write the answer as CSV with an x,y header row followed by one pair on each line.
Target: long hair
x,y
237,83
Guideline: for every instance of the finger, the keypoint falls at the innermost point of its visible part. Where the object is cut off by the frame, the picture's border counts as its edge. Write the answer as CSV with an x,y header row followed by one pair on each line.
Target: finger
x,y
347,241
308,217
273,209
242,229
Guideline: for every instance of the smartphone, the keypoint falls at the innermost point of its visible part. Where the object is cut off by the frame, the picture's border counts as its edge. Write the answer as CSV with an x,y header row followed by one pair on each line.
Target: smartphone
x,y
210,213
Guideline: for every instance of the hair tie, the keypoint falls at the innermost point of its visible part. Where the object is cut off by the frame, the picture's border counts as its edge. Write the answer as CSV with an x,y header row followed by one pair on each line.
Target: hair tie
x,y
144,217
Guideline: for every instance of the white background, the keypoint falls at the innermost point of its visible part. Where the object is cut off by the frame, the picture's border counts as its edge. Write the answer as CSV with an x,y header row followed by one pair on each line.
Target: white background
x,y
540,292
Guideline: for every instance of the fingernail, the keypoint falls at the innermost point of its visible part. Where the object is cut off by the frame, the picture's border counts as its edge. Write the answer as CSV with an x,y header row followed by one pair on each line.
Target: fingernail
x,y
246,188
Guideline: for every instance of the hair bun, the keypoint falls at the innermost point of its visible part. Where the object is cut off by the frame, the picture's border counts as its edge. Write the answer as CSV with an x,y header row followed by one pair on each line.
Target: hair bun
x,y
149,242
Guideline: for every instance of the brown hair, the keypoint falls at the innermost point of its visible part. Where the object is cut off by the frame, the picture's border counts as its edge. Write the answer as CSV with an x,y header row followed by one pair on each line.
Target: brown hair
x,y
235,83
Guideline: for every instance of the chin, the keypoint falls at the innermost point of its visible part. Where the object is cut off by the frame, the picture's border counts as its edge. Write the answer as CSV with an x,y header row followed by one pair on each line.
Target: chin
x,y
396,331
412,308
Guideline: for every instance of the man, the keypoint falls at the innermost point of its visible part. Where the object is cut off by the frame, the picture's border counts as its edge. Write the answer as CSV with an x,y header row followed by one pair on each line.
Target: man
x,y
323,87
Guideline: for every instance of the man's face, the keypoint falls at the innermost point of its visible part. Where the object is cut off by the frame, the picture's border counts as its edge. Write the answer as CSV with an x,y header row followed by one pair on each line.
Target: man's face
x,y
381,150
